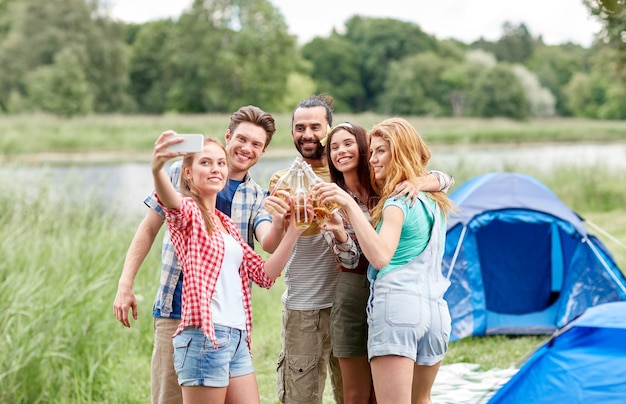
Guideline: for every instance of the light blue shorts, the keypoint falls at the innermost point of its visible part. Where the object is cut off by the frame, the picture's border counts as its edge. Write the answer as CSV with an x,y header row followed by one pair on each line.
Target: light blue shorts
x,y
198,363
409,325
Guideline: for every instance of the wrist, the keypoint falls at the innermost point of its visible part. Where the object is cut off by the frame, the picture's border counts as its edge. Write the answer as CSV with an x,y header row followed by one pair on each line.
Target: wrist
x,y
342,237
125,284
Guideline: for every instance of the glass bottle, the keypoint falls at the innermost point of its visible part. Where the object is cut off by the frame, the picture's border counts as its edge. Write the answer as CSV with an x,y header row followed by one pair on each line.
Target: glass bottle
x,y
300,194
324,211
286,182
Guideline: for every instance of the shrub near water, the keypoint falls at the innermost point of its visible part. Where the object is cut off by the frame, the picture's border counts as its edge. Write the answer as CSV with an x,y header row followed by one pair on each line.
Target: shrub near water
x,y
58,276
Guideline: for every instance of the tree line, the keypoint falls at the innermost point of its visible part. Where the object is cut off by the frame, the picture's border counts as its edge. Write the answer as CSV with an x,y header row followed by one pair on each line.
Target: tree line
x,y
69,57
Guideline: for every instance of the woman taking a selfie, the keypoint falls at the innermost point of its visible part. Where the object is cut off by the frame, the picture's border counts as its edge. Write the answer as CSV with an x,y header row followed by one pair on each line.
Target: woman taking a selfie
x,y
212,343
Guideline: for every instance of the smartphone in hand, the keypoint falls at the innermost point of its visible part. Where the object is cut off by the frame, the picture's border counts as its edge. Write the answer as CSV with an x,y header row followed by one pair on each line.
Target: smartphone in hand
x,y
192,143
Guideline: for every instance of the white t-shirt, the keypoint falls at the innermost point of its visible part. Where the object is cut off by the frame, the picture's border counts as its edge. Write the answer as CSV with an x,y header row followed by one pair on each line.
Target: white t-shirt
x,y
227,306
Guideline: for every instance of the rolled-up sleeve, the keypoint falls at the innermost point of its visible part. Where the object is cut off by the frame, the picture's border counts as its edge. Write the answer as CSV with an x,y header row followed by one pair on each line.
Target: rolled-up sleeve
x,y
445,180
348,253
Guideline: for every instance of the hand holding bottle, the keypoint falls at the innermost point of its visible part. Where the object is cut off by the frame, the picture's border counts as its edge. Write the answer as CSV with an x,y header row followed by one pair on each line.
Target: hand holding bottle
x,y
283,186
278,204
330,194
322,211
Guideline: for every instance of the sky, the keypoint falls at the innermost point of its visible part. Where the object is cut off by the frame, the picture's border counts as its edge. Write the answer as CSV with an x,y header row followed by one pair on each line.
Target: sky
x,y
558,21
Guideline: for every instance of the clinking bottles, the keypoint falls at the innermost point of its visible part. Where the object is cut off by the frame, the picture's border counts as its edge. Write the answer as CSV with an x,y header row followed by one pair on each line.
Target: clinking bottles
x,y
324,211
298,181
287,181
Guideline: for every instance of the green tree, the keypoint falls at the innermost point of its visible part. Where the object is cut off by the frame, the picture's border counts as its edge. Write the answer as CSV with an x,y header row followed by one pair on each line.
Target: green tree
x,y
40,29
614,107
5,28
497,92
107,65
456,84
540,100
229,53
263,55
483,44
335,70
379,42
195,64
60,88
516,44
5,19
451,49
597,94
149,58
555,66
403,94
581,96
420,73
612,15
299,87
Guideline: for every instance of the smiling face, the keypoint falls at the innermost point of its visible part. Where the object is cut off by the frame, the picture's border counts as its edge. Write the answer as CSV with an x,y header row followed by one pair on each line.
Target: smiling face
x,y
380,157
344,151
309,127
244,147
208,171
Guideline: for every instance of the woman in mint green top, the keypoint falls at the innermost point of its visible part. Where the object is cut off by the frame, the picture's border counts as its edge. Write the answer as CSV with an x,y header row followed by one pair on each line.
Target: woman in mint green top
x,y
347,153
408,319
414,237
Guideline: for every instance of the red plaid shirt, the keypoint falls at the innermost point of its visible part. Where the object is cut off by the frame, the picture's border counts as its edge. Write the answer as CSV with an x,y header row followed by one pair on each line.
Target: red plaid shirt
x,y
201,256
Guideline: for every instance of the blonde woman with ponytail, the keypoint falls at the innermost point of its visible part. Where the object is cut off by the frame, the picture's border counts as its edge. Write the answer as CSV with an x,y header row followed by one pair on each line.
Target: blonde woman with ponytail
x,y
212,343
408,319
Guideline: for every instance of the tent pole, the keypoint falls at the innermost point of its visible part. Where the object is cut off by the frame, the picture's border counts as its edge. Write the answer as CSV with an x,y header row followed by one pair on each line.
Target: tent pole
x,y
604,264
456,251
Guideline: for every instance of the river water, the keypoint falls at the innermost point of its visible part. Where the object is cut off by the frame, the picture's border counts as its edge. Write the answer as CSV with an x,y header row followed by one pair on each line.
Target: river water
x,y
124,185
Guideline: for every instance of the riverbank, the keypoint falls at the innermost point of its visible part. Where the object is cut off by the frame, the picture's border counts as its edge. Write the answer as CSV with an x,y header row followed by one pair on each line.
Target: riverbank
x,y
25,135
106,157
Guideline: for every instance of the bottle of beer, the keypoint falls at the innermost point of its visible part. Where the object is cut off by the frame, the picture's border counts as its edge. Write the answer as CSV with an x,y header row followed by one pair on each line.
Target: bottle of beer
x,y
300,194
324,211
287,181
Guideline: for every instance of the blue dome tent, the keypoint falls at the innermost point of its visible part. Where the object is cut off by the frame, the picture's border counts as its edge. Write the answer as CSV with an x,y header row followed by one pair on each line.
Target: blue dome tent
x,y
583,362
520,261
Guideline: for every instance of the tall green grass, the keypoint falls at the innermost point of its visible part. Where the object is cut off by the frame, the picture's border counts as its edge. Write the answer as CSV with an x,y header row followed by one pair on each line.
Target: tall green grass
x,y
58,269
60,261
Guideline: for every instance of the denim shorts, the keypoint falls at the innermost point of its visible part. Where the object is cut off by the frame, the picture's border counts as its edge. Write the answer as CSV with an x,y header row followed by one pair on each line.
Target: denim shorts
x,y
198,363
409,325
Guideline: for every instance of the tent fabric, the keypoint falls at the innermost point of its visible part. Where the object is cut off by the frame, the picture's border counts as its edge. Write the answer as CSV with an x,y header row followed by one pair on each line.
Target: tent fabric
x,y
520,261
584,362
493,191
